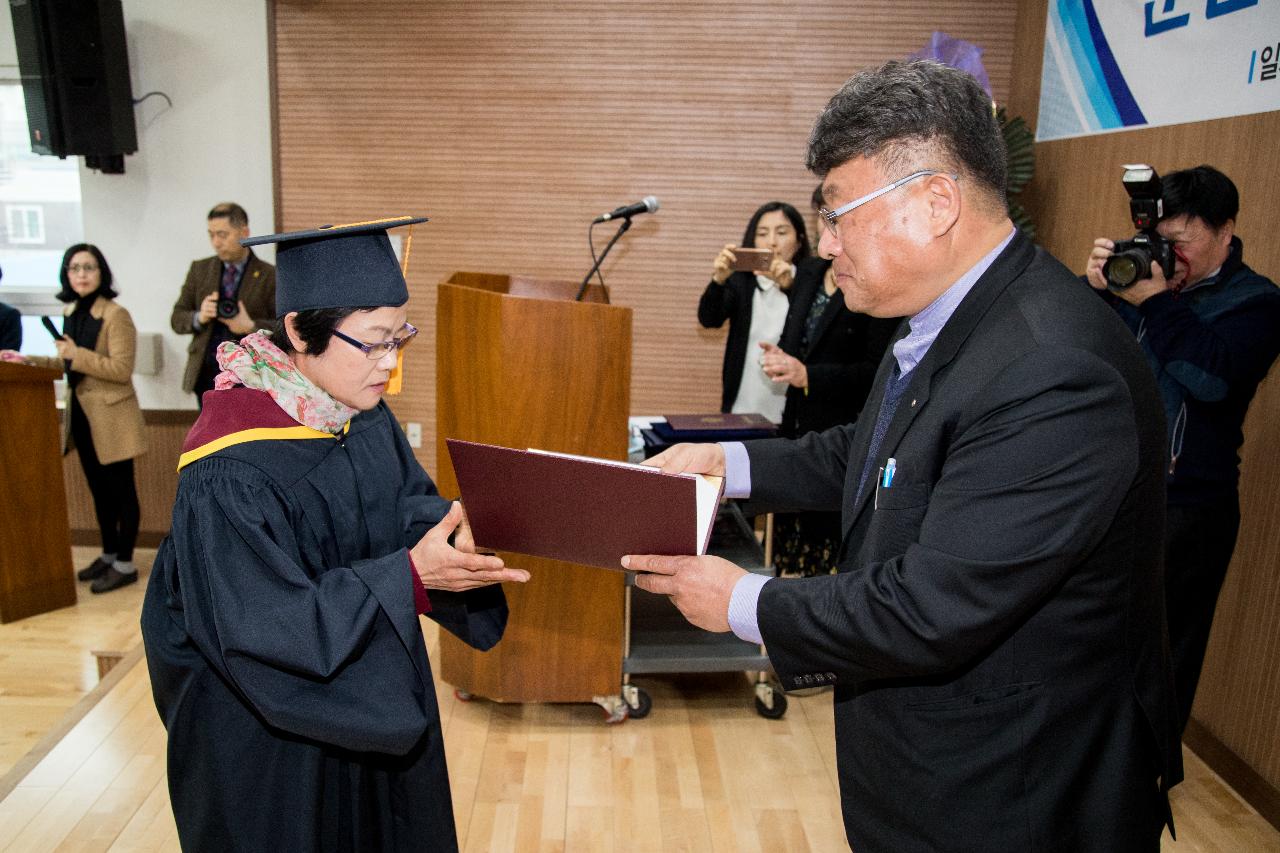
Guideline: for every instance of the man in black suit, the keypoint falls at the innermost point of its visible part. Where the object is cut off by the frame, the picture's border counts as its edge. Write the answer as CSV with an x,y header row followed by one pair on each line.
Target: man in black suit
x,y
995,632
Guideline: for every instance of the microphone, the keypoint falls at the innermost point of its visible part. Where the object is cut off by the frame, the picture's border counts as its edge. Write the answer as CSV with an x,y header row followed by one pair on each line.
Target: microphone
x,y
648,205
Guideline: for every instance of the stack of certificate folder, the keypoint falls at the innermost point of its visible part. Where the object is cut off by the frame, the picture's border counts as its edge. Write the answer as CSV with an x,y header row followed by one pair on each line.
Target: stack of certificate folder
x,y
705,428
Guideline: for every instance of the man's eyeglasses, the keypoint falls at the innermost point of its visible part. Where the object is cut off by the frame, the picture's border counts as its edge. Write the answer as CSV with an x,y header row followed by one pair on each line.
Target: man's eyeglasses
x,y
830,216
379,350
75,268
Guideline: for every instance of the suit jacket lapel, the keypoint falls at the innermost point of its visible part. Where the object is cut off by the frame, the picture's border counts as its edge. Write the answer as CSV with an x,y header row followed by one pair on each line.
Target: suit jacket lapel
x,y
1006,267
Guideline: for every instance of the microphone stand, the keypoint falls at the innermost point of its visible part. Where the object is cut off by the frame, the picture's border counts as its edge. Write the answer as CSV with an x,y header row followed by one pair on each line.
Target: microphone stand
x,y
622,229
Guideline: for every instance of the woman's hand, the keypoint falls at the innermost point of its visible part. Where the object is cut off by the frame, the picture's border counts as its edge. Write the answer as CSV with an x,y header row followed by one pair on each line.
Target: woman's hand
x,y
780,271
722,268
12,356
780,367
456,569
66,348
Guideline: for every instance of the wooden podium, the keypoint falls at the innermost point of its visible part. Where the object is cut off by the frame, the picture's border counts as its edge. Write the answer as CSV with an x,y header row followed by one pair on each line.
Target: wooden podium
x,y
519,363
35,539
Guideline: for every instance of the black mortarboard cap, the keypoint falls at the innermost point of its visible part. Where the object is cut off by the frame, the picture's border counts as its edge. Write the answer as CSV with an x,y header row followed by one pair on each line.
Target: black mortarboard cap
x,y
338,266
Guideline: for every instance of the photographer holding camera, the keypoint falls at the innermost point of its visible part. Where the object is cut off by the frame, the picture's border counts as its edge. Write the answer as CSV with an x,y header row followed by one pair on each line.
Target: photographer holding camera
x,y
224,297
1210,327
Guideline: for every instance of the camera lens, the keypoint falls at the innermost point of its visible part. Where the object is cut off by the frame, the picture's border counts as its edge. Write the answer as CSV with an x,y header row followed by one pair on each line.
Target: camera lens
x,y
227,308
1125,268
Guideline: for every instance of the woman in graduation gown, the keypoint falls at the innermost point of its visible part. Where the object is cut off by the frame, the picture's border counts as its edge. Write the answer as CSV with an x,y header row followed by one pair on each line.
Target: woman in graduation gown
x,y
281,619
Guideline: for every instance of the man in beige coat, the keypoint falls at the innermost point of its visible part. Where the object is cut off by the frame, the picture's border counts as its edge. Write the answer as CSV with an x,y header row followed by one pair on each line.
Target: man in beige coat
x,y
225,297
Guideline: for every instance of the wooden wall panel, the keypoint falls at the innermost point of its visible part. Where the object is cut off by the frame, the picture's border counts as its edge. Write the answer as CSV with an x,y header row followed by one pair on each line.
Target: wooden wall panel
x,y
1075,197
513,124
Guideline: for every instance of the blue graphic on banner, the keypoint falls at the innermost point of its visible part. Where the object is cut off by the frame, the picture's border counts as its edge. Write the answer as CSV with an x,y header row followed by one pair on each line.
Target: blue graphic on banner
x,y
1115,64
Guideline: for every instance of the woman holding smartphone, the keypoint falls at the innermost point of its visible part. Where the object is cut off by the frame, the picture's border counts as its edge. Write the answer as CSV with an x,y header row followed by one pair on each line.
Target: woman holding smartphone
x,y
749,289
101,419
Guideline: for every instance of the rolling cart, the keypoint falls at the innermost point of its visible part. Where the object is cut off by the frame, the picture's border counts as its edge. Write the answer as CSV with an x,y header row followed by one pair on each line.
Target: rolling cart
x,y
659,640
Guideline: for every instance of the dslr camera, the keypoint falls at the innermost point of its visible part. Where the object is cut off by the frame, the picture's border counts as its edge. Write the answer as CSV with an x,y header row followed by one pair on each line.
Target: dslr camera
x,y
228,306
1131,260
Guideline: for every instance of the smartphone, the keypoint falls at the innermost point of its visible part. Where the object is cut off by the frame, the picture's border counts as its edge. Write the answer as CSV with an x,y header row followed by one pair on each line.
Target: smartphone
x,y
751,260
52,329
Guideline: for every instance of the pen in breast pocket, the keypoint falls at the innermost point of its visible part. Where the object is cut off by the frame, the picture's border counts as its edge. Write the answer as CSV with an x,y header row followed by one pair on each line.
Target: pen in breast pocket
x,y
890,467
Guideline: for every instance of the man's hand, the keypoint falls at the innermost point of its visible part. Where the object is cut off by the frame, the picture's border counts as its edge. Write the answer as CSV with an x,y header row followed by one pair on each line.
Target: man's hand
x,y
1143,289
241,324
700,587
1102,249
690,459
208,309
443,566
781,367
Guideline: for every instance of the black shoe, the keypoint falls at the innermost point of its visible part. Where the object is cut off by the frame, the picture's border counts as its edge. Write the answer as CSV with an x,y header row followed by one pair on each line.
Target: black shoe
x,y
113,580
95,570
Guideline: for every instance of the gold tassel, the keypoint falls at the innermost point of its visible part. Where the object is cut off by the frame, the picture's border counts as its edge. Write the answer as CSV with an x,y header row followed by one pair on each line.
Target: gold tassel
x,y
395,382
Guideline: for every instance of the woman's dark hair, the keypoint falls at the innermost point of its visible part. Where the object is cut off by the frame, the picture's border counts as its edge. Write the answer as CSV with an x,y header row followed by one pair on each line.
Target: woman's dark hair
x,y
793,215
104,284
314,326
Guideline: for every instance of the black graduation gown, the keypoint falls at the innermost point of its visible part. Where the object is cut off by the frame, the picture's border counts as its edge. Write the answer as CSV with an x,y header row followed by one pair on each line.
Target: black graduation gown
x,y
285,653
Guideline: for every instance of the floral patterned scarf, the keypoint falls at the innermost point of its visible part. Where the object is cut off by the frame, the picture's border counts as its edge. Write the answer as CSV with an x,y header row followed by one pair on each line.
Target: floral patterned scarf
x,y
257,363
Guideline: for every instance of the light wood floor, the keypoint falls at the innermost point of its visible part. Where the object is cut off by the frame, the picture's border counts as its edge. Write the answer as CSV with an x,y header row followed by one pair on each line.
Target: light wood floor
x,y
702,772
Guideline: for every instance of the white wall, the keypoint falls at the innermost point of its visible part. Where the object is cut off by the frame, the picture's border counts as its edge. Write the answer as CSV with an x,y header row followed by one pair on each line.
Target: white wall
x,y
213,145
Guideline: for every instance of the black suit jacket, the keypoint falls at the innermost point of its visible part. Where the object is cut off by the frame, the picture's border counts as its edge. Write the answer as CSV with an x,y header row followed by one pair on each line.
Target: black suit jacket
x,y
841,360
10,327
996,632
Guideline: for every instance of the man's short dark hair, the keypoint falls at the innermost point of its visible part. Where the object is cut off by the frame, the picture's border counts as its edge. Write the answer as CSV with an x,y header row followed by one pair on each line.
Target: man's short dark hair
x,y
232,212
314,326
911,116
1202,192
67,293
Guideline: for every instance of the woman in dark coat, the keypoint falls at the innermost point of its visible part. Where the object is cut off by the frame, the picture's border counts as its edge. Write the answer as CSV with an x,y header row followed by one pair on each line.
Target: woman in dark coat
x,y
755,305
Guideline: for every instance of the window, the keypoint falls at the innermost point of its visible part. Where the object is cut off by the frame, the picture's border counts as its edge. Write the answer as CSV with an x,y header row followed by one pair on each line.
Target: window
x,y
39,205
26,223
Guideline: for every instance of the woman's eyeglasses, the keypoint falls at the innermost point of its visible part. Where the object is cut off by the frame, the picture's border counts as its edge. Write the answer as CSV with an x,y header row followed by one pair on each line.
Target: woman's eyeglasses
x,y
379,350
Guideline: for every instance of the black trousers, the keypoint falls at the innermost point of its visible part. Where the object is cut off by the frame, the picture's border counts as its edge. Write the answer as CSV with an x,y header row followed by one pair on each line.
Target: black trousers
x,y
115,497
1198,544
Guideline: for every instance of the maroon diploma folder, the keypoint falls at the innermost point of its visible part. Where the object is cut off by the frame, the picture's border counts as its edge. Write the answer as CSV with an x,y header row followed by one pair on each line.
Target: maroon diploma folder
x,y
579,509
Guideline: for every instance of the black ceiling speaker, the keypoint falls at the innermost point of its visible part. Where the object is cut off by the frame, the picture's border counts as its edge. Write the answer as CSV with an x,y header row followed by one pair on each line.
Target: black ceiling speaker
x,y
74,66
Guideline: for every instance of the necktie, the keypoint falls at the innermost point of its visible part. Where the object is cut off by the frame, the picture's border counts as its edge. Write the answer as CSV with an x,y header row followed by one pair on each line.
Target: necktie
x,y
228,281
893,389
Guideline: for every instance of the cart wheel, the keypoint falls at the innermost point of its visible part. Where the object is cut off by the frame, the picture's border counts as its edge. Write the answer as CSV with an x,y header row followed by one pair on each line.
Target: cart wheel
x,y
775,710
462,695
638,703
